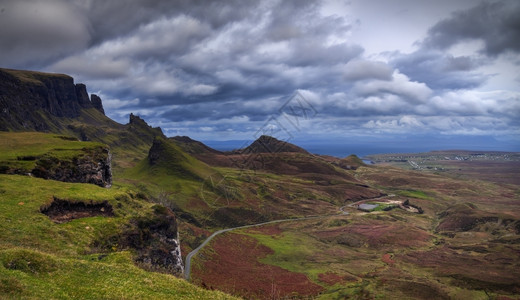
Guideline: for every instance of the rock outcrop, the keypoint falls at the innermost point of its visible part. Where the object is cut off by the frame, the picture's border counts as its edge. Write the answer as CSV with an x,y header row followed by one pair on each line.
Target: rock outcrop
x,y
94,167
97,103
29,100
156,241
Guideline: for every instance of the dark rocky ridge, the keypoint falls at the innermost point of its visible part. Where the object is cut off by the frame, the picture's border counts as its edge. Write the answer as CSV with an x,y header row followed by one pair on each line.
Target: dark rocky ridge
x,y
28,99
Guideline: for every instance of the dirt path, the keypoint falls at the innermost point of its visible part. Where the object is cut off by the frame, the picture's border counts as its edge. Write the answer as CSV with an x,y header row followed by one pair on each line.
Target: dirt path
x,y
187,265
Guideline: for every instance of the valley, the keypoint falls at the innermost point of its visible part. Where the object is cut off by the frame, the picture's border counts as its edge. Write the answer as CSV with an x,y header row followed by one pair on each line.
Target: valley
x,y
95,209
394,254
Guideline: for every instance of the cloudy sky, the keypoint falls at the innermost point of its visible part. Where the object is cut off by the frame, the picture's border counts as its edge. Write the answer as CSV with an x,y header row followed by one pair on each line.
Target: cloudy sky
x,y
357,71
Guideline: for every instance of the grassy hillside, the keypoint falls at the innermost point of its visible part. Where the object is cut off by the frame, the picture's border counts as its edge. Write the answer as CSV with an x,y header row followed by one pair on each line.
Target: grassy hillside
x,y
87,254
20,151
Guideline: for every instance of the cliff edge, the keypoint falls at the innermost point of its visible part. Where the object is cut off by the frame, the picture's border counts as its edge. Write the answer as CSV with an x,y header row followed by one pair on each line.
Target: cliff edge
x,y
29,100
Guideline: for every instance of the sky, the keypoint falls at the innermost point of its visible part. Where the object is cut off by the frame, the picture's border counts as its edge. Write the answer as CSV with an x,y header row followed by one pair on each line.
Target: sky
x,y
415,73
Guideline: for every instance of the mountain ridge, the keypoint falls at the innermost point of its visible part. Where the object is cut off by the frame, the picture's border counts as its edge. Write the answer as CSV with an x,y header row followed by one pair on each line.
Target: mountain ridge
x,y
25,95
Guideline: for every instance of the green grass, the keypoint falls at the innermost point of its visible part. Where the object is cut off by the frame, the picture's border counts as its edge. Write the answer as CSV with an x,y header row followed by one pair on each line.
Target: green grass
x,y
292,251
31,274
415,194
21,198
33,76
22,150
41,259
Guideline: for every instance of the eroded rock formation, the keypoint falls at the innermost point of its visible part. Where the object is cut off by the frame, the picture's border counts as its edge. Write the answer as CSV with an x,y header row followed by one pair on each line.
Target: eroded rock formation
x,y
94,167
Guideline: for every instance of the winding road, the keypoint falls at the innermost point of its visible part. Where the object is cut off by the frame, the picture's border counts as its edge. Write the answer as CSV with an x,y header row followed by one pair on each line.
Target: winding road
x,y
187,265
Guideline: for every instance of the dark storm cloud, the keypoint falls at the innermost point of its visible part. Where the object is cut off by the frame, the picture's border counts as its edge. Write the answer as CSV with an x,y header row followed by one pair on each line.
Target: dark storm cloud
x,y
497,24
230,65
183,58
252,110
115,18
35,32
440,70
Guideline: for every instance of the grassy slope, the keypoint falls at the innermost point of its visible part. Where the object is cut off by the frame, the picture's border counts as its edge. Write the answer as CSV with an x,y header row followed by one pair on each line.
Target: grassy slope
x,y
174,173
42,259
19,150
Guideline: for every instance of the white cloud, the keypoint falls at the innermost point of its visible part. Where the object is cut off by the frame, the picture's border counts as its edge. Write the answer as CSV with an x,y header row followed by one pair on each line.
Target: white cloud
x,y
364,69
400,85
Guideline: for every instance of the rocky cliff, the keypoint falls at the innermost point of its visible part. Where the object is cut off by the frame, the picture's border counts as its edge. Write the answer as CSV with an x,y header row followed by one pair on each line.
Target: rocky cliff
x,y
29,100
92,166
156,240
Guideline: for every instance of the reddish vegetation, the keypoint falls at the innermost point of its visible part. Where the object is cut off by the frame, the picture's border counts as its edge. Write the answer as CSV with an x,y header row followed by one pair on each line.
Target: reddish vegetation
x,y
272,230
232,265
500,172
377,235
332,278
390,234
477,271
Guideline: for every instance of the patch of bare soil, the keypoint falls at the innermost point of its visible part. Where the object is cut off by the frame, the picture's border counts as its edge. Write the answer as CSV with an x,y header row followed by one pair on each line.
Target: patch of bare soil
x,y
232,266
61,211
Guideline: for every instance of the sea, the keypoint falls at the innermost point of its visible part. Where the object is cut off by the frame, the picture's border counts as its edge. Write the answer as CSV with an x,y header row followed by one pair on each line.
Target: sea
x,y
343,148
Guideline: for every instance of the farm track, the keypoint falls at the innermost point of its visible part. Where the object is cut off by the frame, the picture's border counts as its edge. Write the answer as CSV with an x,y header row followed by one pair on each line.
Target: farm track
x,y
187,265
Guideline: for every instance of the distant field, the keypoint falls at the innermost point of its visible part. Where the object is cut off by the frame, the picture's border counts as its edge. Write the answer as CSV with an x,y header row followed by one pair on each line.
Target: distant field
x,y
499,167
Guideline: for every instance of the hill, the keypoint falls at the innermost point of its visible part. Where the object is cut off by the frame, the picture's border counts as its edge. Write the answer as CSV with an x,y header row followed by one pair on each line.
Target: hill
x,y
62,240
271,220
269,144
192,146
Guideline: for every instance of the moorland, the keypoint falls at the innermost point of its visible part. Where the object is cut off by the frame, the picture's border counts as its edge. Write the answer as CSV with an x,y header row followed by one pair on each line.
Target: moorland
x,y
96,209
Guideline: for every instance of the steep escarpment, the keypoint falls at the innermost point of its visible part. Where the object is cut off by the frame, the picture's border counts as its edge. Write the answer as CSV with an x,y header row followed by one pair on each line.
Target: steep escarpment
x,y
29,100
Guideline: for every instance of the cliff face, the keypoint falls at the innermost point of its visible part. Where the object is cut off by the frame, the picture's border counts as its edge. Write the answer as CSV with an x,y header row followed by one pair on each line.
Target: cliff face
x,y
156,239
28,98
93,166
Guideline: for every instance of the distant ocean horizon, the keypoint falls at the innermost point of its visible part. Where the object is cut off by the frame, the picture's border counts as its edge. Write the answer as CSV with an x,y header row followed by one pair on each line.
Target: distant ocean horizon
x,y
361,149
